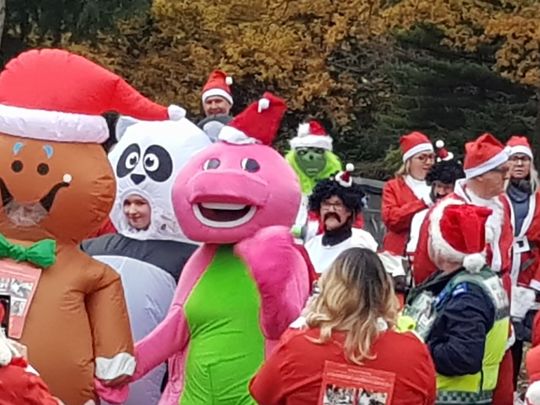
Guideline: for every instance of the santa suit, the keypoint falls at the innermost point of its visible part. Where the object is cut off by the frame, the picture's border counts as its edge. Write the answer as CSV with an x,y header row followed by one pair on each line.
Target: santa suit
x,y
525,269
322,256
500,227
402,198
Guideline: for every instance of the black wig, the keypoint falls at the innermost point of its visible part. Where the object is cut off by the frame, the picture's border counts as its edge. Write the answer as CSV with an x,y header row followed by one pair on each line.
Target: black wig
x,y
352,197
445,171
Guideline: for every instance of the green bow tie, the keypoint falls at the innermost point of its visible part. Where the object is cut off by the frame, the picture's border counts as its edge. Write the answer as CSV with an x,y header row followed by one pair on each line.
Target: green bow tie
x,y
41,254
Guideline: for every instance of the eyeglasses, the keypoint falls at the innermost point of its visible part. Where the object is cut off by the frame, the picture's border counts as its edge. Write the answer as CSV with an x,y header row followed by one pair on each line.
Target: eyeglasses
x,y
338,206
424,157
522,158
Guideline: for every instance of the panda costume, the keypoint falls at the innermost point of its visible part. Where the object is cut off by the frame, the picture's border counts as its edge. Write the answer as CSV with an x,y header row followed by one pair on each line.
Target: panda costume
x,y
146,160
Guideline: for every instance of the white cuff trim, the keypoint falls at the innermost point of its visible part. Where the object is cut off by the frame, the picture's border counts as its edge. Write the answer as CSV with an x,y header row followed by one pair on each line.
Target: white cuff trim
x,y
219,93
421,147
312,141
535,284
236,137
497,160
52,125
121,364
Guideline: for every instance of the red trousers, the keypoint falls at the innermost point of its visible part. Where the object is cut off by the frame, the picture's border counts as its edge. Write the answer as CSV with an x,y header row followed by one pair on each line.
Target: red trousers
x,y
504,392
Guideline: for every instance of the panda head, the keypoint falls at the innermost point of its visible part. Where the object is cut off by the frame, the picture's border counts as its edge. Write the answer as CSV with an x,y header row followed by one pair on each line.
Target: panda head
x,y
146,160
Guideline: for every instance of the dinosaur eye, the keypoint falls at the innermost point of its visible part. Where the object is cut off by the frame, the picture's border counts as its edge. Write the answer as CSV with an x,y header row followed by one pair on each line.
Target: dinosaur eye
x,y
250,165
211,164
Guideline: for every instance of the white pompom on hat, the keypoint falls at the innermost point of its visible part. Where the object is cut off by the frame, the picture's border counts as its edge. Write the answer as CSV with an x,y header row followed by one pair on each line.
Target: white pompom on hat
x,y
312,134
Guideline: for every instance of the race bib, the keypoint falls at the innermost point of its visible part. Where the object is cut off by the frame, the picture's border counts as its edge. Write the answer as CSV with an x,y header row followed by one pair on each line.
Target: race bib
x,y
345,384
20,282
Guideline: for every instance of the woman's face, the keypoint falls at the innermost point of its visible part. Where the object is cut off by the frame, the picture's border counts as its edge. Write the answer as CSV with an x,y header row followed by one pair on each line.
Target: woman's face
x,y
420,164
520,166
137,211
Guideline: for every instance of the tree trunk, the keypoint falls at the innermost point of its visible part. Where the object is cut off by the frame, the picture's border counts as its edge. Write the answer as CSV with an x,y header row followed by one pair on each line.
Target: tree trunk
x,y
2,18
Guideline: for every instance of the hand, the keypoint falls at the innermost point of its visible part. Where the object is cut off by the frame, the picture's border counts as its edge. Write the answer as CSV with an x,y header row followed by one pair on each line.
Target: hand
x,y
118,381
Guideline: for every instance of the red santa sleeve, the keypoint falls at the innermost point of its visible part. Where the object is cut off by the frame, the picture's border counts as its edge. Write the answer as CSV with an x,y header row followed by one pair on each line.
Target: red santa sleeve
x,y
396,215
20,387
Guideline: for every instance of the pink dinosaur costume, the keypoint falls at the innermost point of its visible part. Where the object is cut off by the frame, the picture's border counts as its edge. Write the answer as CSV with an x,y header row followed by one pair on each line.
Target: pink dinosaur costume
x,y
247,282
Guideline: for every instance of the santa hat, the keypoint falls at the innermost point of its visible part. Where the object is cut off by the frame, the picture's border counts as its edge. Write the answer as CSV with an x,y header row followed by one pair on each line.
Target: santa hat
x,y
218,85
519,144
484,154
413,143
258,123
52,94
312,135
458,233
441,152
345,178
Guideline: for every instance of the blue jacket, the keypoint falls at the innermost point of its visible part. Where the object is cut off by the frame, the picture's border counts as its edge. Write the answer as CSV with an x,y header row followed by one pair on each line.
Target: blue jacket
x,y
458,335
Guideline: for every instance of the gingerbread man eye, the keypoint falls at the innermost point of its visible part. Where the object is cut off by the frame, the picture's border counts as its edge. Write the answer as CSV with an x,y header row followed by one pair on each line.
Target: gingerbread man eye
x,y
211,164
250,165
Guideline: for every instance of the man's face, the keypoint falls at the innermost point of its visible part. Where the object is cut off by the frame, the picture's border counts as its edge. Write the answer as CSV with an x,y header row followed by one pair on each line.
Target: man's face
x,y
440,189
311,160
216,105
334,214
493,182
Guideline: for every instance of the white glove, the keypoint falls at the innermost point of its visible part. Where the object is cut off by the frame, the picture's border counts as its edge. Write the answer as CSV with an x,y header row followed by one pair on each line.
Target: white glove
x,y
523,300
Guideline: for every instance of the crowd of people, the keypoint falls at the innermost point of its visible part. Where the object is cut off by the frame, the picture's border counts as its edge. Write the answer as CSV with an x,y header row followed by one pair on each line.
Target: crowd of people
x,y
175,262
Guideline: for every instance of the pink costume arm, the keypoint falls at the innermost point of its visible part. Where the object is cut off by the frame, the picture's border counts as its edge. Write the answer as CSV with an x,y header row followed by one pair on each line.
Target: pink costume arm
x,y
281,274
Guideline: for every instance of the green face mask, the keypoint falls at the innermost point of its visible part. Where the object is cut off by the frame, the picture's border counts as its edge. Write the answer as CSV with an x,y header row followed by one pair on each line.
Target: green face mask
x,y
311,160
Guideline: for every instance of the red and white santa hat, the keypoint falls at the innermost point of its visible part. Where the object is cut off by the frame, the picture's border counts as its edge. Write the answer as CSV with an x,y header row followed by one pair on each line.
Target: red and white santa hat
x,y
311,134
218,85
52,94
345,178
414,143
258,123
483,155
458,233
441,152
519,144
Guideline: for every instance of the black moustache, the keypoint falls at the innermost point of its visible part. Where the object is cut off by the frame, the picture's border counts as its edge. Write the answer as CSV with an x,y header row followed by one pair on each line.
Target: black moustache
x,y
332,214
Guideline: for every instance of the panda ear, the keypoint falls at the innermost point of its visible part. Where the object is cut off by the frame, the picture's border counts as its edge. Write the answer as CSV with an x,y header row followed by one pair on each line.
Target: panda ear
x,y
122,124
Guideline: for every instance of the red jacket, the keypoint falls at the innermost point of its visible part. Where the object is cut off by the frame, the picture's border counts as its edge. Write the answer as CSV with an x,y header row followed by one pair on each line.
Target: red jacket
x,y
525,252
292,375
105,229
499,255
18,386
399,205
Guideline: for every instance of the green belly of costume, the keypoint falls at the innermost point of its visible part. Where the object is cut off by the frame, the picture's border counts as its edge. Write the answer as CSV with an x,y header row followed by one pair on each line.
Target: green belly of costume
x,y
226,347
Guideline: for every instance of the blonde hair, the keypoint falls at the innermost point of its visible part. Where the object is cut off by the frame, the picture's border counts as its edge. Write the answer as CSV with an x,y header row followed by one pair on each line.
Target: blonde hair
x,y
404,169
533,177
355,293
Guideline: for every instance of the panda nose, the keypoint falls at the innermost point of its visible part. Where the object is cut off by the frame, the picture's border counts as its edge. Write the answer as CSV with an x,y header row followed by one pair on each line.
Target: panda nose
x,y
137,178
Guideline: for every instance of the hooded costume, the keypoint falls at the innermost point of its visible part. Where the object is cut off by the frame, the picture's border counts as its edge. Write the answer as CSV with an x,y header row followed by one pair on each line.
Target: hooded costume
x,y
146,161
247,282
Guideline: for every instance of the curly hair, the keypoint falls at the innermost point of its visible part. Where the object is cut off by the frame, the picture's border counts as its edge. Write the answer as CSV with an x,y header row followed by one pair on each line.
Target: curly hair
x,y
445,171
352,197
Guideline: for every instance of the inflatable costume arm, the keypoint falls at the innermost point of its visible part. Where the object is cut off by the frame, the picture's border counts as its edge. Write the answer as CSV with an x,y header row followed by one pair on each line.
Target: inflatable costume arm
x,y
113,344
281,275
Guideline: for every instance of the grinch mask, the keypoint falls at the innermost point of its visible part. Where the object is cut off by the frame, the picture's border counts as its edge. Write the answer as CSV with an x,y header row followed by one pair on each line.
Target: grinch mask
x,y
311,160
